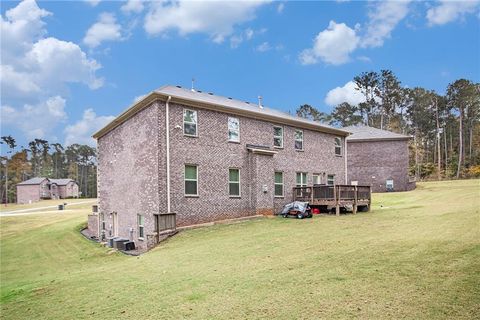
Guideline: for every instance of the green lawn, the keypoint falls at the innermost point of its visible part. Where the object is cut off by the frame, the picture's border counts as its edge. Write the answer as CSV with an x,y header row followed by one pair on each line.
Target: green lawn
x,y
417,257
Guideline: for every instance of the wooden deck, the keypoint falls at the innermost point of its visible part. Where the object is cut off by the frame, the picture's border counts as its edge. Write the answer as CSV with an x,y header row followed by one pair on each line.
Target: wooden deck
x,y
336,196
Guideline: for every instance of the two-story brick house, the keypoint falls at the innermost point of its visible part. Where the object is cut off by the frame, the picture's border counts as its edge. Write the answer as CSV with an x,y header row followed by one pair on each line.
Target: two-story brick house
x,y
206,158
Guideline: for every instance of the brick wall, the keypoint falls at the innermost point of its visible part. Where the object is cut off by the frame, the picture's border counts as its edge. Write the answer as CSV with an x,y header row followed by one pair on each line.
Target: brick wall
x,y
28,193
375,162
132,168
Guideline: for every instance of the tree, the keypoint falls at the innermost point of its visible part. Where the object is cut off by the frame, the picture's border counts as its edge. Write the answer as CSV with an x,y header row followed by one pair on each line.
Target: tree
x,y
367,83
345,115
308,112
389,91
10,142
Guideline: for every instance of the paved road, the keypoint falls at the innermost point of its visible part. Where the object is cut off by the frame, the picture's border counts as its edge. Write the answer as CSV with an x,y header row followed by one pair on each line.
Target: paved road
x,y
38,210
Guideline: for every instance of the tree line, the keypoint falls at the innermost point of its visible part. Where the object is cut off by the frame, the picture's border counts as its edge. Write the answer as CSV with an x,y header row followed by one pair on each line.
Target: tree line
x,y
52,160
445,128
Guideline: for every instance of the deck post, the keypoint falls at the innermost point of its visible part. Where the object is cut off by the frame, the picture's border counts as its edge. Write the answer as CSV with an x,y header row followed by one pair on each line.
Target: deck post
x,y
355,198
369,197
337,196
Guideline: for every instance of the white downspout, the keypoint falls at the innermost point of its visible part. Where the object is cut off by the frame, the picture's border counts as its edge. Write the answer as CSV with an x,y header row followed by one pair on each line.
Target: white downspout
x,y
346,161
167,135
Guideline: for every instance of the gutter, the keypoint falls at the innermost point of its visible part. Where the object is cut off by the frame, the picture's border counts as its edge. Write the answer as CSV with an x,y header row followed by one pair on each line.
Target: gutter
x,y
346,160
167,137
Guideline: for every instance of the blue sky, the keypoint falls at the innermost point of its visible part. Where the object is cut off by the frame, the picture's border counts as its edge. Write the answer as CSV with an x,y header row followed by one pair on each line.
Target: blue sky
x,y
69,67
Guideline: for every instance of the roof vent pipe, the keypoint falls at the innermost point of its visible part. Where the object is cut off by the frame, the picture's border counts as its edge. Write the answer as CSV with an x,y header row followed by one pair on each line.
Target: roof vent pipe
x,y
260,102
193,82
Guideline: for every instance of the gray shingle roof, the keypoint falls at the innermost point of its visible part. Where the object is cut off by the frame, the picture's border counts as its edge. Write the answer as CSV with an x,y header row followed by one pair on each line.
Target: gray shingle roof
x,y
223,104
365,133
61,182
36,180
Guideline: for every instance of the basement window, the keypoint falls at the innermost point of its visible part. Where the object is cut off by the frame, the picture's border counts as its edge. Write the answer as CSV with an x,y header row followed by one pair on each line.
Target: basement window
x,y
279,184
190,123
301,179
233,129
141,227
191,180
331,179
234,182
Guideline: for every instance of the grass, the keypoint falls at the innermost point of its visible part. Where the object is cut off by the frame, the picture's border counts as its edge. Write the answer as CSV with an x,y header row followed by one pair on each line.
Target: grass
x,y
415,256
40,204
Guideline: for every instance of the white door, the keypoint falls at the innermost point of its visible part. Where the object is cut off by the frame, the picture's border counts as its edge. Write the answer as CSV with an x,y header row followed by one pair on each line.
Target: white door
x,y
115,224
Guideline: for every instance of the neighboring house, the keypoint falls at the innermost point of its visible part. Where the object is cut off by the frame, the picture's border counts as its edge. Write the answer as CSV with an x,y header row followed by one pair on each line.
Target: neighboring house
x,y
35,189
206,158
378,158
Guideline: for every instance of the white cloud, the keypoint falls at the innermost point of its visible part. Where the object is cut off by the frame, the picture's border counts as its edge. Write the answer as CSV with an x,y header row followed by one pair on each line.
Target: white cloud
x,y
246,35
105,29
132,6
333,45
81,132
448,11
93,3
36,71
347,93
36,121
384,17
265,46
280,7
215,18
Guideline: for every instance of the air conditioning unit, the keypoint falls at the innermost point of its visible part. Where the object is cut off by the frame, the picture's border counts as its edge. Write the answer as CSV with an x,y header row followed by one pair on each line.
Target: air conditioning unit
x,y
130,245
119,243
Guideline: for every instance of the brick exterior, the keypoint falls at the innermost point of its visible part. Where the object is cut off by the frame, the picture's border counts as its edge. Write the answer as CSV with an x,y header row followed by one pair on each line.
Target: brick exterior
x,y
132,168
27,193
375,162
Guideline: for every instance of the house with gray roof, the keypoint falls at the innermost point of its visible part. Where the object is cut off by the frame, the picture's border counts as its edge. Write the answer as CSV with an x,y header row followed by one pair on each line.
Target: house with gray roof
x,y
38,188
204,158
378,158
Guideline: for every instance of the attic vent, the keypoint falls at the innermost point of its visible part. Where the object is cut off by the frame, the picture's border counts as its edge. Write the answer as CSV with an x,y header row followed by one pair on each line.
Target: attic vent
x,y
199,91
210,93
247,102
178,86
229,98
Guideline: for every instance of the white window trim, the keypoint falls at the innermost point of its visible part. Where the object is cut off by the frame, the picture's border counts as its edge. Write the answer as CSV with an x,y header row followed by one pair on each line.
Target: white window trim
x,y
239,183
339,146
276,183
328,180
185,180
319,178
140,226
234,130
303,138
196,124
303,183
281,137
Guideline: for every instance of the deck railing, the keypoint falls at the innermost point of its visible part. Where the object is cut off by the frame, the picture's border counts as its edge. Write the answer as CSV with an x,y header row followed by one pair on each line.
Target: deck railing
x,y
337,195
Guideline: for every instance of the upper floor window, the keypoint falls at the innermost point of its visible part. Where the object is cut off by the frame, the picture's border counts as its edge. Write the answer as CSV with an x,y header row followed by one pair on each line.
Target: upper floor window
x,y
191,180
190,122
278,137
301,179
331,179
338,146
234,182
233,129
298,140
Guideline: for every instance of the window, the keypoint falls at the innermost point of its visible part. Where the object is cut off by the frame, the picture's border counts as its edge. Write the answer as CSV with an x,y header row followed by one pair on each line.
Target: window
x,y
298,140
141,228
301,179
338,146
191,180
190,122
234,182
316,178
331,179
389,184
102,221
278,137
233,129
278,184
